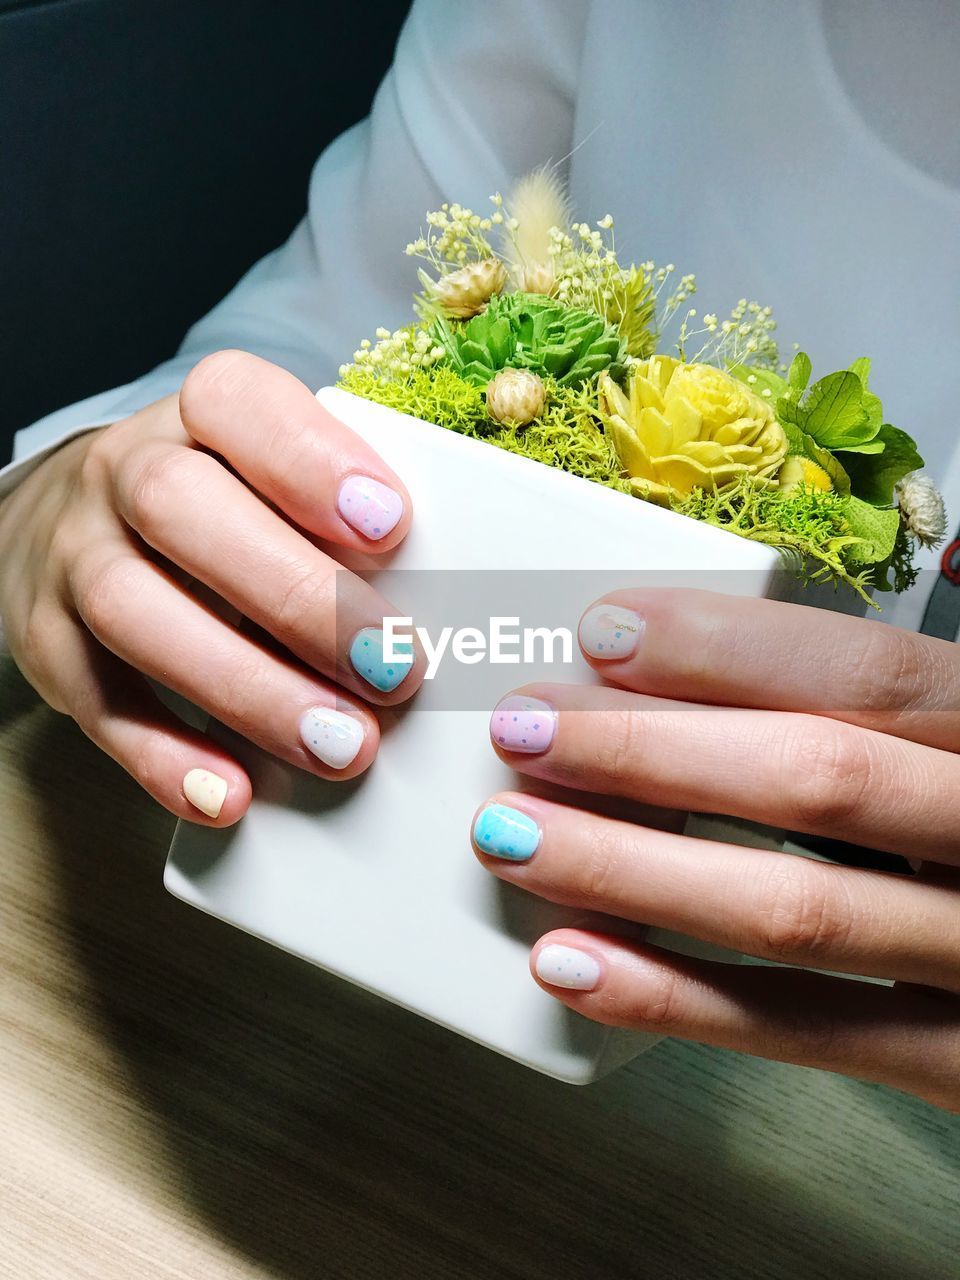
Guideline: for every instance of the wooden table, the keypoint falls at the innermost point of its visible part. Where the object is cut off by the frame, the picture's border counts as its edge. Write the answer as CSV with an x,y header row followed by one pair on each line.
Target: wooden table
x,y
179,1100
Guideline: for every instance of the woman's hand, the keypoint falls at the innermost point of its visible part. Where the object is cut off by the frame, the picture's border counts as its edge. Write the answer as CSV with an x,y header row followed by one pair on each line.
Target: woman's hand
x,y
109,552
806,720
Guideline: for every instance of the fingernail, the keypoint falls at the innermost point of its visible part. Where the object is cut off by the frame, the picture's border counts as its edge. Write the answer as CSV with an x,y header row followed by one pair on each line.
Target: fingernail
x,y
523,724
366,656
607,631
332,736
567,967
371,507
506,833
206,791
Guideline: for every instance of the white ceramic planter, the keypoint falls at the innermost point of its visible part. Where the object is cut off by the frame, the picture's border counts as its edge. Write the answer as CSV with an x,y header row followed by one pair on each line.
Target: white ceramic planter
x,y
376,881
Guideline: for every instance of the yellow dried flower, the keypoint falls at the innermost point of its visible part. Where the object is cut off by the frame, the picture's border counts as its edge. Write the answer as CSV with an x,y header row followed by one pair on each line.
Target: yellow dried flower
x,y
686,426
515,396
466,292
797,470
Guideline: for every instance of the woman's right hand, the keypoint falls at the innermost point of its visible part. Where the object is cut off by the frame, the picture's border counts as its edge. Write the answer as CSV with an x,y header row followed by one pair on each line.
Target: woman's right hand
x,y
108,549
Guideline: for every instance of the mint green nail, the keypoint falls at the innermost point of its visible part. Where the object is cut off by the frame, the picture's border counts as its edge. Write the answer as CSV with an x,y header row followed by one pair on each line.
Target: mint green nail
x,y
366,656
506,833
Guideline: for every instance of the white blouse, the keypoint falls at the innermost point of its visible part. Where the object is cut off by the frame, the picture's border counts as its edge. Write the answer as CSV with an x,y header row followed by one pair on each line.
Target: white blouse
x,y
801,153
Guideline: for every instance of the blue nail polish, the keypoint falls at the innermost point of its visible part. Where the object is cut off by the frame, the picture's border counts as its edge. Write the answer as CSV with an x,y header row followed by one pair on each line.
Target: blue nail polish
x,y
366,656
506,833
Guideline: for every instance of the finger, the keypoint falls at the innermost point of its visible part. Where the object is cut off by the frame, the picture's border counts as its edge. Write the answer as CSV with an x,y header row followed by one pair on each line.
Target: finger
x,y
171,637
706,647
269,426
904,1037
182,769
772,905
799,772
191,510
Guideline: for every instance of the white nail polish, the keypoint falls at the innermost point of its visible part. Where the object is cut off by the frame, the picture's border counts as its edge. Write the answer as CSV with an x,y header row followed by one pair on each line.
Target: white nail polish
x,y
609,632
206,791
333,737
567,967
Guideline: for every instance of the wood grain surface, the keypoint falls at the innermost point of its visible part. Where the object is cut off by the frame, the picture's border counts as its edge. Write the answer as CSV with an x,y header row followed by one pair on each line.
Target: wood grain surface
x,y
179,1100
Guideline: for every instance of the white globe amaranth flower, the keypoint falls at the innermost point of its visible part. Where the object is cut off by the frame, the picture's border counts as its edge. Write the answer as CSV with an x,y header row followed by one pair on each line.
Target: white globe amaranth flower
x,y
465,293
515,397
921,508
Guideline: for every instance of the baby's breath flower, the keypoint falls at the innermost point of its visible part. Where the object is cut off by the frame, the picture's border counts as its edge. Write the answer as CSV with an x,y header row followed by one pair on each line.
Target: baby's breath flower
x,y
745,336
395,354
455,237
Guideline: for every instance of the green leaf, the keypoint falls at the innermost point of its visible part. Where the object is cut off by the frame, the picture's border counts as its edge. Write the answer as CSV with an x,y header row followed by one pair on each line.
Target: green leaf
x,y
877,527
799,373
871,403
759,380
796,439
874,409
869,446
833,411
873,476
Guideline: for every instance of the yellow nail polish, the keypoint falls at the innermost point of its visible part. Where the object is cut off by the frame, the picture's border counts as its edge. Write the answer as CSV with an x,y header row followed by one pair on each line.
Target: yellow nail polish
x,y
206,791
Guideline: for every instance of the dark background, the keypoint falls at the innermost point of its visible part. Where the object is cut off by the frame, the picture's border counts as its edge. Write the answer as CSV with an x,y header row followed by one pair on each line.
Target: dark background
x,y
151,151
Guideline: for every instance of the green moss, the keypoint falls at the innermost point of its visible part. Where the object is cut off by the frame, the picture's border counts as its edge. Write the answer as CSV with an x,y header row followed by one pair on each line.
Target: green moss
x,y
439,396
567,436
807,525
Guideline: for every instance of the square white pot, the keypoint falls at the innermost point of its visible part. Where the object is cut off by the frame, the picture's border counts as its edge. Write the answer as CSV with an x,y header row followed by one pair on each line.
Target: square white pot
x,y
375,881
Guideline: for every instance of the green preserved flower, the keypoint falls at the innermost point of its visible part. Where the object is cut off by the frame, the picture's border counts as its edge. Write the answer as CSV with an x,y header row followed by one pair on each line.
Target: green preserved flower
x,y
530,331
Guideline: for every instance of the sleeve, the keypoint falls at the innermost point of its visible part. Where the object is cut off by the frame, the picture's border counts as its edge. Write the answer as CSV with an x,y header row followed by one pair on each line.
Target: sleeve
x,y
476,96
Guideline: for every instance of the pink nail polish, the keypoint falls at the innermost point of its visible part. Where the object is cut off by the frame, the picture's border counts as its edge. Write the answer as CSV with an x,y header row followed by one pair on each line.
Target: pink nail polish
x,y
369,506
523,724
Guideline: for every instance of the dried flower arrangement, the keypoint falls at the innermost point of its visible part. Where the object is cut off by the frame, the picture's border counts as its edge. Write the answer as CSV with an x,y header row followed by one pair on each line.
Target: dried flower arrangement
x,y
546,346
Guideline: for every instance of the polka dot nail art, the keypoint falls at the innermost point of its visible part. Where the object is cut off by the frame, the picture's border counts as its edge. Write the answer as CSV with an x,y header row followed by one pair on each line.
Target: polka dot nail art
x,y
206,791
332,736
607,631
523,724
567,967
504,832
369,506
366,658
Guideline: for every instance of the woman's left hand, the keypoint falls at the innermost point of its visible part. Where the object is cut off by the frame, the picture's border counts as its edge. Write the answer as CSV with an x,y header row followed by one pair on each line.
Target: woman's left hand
x,y
806,720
